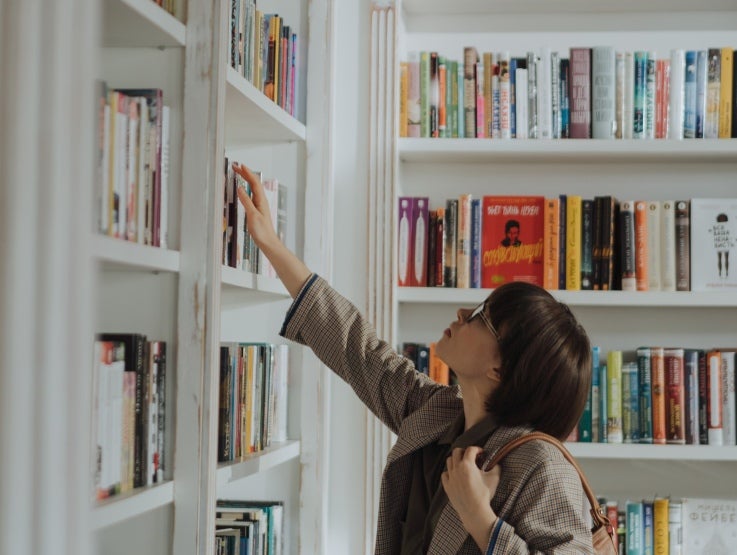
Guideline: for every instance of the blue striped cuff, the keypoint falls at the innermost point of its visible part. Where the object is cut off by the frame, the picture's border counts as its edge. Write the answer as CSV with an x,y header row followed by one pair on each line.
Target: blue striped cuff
x,y
494,536
296,303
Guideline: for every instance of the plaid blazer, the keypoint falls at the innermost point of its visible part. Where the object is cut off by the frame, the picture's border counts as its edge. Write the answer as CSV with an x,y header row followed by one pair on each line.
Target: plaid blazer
x,y
539,501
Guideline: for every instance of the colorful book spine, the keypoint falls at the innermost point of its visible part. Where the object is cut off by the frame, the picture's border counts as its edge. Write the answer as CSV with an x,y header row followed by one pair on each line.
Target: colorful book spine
x,y
595,394
551,243
683,245
660,526
580,93
689,94
614,397
726,93
475,243
573,242
691,395
603,403
638,126
668,246
647,527
635,517
674,397
644,376
642,254
630,403
650,78
657,368
702,71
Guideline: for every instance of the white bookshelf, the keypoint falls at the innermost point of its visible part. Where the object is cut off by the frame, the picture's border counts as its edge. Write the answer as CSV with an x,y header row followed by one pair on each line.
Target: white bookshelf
x,y
255,119
256,463
116,254
134,503
637,452
140,23
238,280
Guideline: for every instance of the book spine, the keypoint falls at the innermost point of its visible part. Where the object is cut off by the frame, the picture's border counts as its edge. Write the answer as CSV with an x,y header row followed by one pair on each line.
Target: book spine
x,y
714,399
702,72
653,245
442,97
647,527
451,238
565,101
660,526
580,93
573,242
424,94
490,93
683,245
452,96
587,244
555,100
635,543
544,97
644,377
470,57
608,220
440,241
403,98
630,403
689,94
434,94
629,96
668,246
432,227
675,527
463,261
532,92
726,93
642,254
419,234
627,245
650,117
603,92
562,238
638,125
703,419
481,107
551,214
405,243
676,102
691,395
675,397
713,89
505,102
614,397
475,243
729,408
595,394
521,95
657,369
603,403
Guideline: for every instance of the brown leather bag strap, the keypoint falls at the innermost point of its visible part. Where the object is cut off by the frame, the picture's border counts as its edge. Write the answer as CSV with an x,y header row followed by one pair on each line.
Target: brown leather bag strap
x,y
595,509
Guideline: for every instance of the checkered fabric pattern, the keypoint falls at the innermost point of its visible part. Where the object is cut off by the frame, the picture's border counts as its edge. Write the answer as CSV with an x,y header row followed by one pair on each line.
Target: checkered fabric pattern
x,y
539,499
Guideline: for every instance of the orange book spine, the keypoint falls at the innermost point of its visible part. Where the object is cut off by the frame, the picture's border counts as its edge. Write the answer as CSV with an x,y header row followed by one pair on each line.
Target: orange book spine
x,y
657,368
551,243
641,246
439,371
675,405
726,94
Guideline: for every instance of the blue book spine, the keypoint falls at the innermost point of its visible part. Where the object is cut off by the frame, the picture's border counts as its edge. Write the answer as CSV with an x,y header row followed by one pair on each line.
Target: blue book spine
x,y
585,422
689,96
635,545
603,435
595,401
475,242
630,401
644,375
565,103
647,528
513,97
638,112
702,70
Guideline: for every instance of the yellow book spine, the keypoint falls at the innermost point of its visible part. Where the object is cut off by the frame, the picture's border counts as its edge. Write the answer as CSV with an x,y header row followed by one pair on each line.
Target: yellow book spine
x,y
660,527
403,88
551,245
573,243
725,94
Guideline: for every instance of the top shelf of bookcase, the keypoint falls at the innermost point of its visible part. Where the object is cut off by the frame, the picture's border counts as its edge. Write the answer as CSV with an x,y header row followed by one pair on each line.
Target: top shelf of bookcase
x,y
468,7
140,23
566,150
251,117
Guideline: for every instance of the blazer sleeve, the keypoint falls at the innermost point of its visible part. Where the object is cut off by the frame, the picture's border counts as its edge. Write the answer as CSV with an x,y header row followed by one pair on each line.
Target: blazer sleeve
x,y
386,382
548,514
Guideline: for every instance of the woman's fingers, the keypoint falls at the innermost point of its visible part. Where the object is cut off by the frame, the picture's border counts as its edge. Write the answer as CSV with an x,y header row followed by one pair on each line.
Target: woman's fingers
x,y
257,191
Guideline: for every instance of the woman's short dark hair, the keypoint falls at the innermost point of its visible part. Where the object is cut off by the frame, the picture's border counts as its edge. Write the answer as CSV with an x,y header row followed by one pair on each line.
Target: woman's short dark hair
x,y
546,360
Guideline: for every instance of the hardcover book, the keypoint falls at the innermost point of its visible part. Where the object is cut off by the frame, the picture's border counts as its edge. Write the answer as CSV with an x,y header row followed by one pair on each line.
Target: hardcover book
x,y
713,237
709,526
512,240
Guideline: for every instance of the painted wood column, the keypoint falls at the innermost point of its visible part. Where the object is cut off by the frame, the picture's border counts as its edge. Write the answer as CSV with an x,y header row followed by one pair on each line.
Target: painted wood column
x,y
47,126
195,454
318,255
381,260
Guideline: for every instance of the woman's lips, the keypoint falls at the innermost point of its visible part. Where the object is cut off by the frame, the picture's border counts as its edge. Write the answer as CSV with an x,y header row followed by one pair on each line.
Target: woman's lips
x,y
447,332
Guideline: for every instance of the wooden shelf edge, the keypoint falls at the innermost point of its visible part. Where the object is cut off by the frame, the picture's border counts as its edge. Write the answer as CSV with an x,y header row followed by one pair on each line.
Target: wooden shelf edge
x,y
131,504
676,453
119,254
258,462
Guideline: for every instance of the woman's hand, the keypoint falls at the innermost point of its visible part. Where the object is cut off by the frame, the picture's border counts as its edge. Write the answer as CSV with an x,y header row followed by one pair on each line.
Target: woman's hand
x,y
258,215
470,491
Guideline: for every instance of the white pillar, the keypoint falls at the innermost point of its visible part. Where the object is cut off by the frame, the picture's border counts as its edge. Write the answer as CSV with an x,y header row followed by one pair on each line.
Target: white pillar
x,y
47,122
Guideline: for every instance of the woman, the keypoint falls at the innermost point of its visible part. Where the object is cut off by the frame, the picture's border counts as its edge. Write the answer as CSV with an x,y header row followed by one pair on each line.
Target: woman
x,y
523,364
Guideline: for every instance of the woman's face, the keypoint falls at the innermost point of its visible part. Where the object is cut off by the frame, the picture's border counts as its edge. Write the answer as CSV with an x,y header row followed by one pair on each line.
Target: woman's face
x,y
470,346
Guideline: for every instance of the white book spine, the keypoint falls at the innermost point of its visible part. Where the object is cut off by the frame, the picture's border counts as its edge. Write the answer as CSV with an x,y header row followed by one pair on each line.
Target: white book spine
x,y
121,158
653,245
677,76
521,102
668,246
105,178
619,94
131,193
729,409
714,399
164,207
650,95
555,100
143,131
463,241
603,89
713,85
544,98
629,95
702,70
504,96
532,92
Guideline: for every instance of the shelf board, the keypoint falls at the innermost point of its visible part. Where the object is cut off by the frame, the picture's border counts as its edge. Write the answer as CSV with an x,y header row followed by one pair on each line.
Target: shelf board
x,y
696,299
130,504
116,254
140,23
653,452
258,462
566,150
250,117
238,279
468,7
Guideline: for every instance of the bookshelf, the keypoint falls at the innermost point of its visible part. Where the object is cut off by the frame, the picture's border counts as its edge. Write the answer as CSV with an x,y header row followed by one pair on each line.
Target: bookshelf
x,y
184,295
655,169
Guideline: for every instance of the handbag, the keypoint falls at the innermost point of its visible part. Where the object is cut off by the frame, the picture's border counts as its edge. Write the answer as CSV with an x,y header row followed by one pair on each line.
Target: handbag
x,y
603,533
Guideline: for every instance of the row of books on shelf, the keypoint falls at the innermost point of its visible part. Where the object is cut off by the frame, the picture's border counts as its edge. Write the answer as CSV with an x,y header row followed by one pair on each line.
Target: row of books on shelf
x,y
133,165
249,527
693,526
661,396
253,398
596,92
568,242
239,249
130,413
168,5
263,48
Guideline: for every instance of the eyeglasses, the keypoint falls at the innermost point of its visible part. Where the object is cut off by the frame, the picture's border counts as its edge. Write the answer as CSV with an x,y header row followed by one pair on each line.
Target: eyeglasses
x,y
479,312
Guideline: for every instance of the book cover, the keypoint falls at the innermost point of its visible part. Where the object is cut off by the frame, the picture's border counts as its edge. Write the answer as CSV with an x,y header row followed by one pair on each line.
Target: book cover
x,y
587,244
709,526
657,369
653,245
595,394
668,246
644,376
451,243
726,93
476,243
689,94
463,257
660,526
635,525
627,245
691,395
642,254
630,403
603,88
713,229
405,243
729,408
574,221
551,245
418,235
714,397
676,106
512,240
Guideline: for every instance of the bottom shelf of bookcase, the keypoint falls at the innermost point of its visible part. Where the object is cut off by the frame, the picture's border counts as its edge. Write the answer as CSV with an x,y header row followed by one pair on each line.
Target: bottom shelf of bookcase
x,y
653,452
254,463
130,504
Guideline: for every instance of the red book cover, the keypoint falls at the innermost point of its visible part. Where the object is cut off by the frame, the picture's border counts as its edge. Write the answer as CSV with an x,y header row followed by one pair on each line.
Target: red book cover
x,y
512,240
674,396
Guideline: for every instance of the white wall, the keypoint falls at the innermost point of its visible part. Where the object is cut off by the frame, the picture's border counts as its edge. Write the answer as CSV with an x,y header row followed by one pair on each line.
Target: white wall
x,y
348,443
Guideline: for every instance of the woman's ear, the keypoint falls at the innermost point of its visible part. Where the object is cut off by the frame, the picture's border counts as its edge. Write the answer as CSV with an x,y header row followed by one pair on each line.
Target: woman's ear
x,y
494,374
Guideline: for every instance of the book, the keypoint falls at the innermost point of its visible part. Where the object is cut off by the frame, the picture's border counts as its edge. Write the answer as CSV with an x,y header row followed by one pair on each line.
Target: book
x,y
580,93
709,526
603,88
573,258
676,106
627,245
587,244
463,257
715,397
512,239
551,214
660,526
713,229
653,245
668,246
683,245
642,243
630,403
645,413
657,369
418,236
675,397
450,268
405,243
614,397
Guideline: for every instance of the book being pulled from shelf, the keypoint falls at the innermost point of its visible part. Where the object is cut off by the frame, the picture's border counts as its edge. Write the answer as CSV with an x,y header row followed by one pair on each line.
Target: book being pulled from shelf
x,y
129,417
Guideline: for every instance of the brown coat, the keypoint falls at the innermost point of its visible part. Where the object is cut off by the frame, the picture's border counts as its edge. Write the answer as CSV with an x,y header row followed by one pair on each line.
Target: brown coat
x,y
539,500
